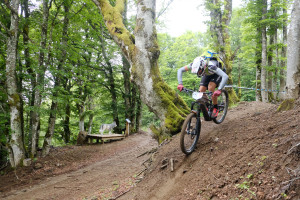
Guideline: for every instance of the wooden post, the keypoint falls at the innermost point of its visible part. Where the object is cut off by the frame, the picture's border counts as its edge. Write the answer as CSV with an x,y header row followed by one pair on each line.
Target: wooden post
x,y
127,130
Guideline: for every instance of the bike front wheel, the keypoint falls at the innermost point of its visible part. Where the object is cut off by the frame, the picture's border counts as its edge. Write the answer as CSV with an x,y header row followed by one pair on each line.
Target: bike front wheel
x,y
222,106
190,133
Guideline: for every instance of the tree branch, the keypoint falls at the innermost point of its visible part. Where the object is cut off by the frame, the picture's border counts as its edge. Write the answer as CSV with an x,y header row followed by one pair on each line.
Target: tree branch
x,y
80,9
4,27
114,23
161,12
4,37
50,5
235,52
10,8
106,35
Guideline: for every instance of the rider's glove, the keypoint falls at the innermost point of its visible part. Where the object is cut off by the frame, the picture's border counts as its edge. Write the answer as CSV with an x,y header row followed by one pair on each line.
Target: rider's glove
x,y
180,87
217,93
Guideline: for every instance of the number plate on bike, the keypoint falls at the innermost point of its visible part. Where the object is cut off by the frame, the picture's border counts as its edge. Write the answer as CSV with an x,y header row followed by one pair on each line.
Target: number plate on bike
x,y
197,95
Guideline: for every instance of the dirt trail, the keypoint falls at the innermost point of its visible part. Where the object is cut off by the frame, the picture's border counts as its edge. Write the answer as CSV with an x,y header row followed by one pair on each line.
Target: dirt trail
x,y
253,154
114,170
248,156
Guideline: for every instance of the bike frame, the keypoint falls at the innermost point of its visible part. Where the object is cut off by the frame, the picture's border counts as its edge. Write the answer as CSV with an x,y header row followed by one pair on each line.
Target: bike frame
x,y
205,107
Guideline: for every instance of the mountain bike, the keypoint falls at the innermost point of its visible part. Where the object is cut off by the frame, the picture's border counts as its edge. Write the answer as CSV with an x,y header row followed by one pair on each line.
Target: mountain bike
x,y
190,131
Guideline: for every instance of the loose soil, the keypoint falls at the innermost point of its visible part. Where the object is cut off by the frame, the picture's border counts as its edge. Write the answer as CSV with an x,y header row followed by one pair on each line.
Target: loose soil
x,y
253,154
80,172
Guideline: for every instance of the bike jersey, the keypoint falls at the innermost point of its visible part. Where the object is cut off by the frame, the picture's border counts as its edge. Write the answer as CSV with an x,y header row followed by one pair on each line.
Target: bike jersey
x,y
211,69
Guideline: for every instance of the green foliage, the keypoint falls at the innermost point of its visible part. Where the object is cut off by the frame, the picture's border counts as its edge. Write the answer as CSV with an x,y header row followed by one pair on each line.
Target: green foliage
x,y
250,32
246,185
84,72
179,52
149,118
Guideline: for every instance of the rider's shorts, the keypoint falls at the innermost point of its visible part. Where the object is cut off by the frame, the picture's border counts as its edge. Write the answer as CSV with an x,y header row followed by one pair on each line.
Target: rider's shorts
x,y
211,78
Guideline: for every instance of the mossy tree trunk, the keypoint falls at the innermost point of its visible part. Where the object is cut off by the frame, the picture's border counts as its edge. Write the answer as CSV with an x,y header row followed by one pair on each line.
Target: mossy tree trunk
x,y
142,52
293,59
16,146
220,19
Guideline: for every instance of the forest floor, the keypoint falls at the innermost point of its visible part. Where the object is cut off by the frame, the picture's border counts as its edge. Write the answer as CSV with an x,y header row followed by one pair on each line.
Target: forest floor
x,y
253,154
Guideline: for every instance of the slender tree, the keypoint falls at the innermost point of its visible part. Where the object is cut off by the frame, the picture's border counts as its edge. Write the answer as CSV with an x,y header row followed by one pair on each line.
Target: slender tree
x,y
28,65
40,77
293,49
264,93
16,145
91,107
283,53
220,16
66,122
57,82
258,96
131,99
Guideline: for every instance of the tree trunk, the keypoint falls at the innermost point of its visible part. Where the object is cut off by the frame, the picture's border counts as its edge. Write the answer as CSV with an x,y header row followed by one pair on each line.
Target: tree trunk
x,y
272,56
220,21
81,116
293,59
131,97
258,66
81,102
264,93
51,126
112,89
67,131
239,82
16,146
283,55
114,101
138,113
275,79
127,86
40,80
270,71
126,76
91,107
142,53
29,69
66,123
53,109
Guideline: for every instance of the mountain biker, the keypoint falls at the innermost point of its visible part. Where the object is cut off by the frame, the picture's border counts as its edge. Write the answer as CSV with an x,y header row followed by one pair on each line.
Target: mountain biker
x,y
212,77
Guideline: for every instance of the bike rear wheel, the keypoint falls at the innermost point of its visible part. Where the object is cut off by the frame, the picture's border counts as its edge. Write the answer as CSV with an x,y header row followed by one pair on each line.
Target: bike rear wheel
x,y
190,133
222,106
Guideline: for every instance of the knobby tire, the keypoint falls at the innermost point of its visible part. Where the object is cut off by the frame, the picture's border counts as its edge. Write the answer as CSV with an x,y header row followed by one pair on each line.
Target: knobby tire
x,y
190,133
223,107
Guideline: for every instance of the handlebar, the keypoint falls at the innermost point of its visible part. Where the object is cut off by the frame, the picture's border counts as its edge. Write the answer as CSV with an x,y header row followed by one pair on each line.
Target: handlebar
x,y
211,54
186,90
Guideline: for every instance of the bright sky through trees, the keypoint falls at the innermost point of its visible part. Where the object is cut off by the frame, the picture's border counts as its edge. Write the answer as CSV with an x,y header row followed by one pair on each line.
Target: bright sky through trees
x,y
185,15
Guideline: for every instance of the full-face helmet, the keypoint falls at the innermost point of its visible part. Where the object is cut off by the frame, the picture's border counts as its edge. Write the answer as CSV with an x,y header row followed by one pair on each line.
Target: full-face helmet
x,y
198,66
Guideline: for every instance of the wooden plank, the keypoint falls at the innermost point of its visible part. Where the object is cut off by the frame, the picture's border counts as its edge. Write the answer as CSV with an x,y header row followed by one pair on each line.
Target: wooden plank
x,y
106,137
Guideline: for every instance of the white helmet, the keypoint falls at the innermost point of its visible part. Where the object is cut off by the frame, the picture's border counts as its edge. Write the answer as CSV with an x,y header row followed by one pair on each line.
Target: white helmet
x,y
198,66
